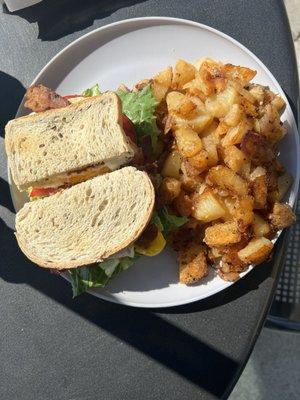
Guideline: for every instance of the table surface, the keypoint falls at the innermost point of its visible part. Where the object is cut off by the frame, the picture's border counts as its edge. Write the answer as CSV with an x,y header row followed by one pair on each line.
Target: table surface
x,y
54,347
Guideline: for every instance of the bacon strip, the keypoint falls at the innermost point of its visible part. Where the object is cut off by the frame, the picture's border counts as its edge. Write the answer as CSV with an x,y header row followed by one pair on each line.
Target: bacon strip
x,y
40,98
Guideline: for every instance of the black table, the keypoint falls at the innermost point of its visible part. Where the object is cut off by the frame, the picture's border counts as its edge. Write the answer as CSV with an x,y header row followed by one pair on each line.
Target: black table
x,y
53,347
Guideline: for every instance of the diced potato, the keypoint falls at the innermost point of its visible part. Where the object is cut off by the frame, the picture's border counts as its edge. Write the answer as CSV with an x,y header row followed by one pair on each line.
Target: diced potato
x,y
192,264
258,92
234,115
197,124
207,206
187,112
269,124
256,251
188,183
172,165
141,84
235,134
168,190
284,183
260,226
179,104
188,142
259,187
245,170
162,83
195,88
278,103
226,179
244,212
282,216
210,128
228,276
183,204
273,196
234,158
222,234
221,129
209,144
230,203
189,170
219,104
200,161
242,74
183,73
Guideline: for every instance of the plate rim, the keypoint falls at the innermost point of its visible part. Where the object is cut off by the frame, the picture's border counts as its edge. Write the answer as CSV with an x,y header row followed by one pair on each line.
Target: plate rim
x,y
195,24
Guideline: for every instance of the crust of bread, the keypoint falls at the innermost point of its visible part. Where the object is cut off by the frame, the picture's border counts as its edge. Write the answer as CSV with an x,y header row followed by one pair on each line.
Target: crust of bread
x,y
128,195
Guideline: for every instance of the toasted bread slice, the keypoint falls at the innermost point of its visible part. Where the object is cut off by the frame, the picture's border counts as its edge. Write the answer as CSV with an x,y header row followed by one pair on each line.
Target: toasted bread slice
x,y
88,222
42,146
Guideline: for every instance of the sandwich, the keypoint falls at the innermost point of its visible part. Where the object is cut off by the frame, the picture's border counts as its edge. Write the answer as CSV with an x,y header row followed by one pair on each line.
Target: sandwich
x,y
93,215
91,229
63,146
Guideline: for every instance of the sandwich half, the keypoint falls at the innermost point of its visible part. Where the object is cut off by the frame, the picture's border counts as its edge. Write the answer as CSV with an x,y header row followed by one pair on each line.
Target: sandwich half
x,y
87,223
67,145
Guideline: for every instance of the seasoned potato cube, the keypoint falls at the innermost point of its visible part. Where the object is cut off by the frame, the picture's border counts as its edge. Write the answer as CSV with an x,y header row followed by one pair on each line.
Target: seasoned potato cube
x,y
278,103
219,104
195,88
187,112
197,123
244,212
188,142
242,74
189,170
230,204
234,115
210,128
258,92
200,161
183,204
284,183
179,104
209,144
221,129
282,216
222,234
259,187
162,83
235,134
207,206
260,226
256,251
168,190
183,73
269,124
189,183
226,179
172,165
192,264
234,158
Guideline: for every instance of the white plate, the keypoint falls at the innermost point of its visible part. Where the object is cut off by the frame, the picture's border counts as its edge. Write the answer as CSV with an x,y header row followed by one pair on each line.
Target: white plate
x,y
125,52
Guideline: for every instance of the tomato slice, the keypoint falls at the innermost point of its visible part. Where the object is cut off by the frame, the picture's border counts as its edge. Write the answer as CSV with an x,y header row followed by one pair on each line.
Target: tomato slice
x,y
41,192
129,128
71,96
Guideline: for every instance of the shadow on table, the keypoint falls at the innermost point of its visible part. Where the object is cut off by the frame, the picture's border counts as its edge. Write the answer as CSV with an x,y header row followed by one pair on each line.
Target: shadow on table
x,y
12,92
157,338
58,18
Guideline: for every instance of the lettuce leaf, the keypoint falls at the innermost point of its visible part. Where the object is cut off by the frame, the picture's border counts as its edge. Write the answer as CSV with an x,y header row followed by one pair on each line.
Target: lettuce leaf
x,y
140,108
168,222
92,91
98,275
